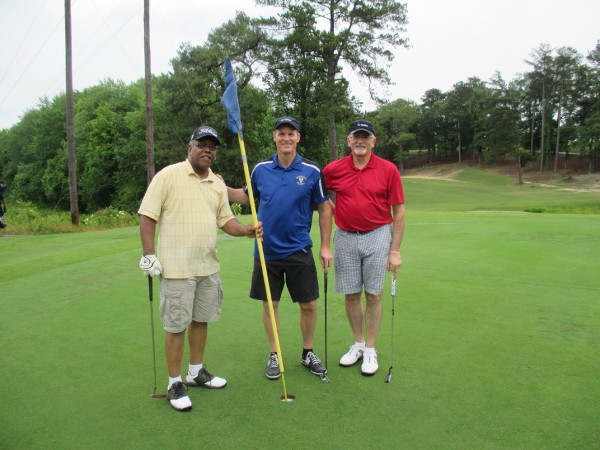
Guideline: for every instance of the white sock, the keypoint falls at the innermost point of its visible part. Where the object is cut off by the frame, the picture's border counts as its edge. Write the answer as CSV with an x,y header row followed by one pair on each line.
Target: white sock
x,y
195,368
369,349
360,344
173,380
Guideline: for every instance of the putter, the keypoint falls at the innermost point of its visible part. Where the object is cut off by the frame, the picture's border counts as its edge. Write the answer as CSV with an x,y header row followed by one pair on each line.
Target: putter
x,y
324,377
388,378
150,295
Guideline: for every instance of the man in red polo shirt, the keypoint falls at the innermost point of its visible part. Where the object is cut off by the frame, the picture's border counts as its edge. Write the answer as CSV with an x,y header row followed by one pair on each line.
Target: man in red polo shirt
x,y
369,214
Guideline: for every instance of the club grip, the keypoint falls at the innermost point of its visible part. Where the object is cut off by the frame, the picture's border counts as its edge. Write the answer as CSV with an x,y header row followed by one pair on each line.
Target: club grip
x,y
150,294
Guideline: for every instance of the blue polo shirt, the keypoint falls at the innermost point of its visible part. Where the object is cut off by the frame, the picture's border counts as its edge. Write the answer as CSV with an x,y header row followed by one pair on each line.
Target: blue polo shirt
x,y
287,197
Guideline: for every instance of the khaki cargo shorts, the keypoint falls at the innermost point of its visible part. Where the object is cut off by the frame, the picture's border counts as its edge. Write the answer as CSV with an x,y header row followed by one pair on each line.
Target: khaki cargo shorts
x,y
183,300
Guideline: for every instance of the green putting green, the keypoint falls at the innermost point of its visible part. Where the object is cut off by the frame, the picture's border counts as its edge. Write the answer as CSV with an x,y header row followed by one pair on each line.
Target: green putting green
x,y
497,330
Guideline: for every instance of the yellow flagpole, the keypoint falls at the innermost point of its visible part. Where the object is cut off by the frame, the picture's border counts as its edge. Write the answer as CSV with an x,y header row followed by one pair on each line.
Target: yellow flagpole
x,y
263,264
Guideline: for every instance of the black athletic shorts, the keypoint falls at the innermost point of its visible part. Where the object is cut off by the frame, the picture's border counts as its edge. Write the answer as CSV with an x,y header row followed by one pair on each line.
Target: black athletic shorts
x,y
297,271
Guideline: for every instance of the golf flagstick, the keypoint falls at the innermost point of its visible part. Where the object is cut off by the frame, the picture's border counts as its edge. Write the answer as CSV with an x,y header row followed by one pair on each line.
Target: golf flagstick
x,y
151,295
388,378
324,377
230,101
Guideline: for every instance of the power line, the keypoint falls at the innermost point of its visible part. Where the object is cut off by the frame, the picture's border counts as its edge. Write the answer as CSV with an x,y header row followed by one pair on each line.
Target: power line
x,y
114,35
31,23
31,61
109,39
80,65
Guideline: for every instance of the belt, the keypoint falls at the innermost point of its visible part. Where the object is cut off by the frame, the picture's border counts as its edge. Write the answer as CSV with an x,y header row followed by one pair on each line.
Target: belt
x,y
358,232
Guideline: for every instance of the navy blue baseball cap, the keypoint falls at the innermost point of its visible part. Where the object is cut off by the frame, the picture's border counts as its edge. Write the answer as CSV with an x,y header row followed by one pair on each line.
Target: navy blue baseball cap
x,y
361,125
287,120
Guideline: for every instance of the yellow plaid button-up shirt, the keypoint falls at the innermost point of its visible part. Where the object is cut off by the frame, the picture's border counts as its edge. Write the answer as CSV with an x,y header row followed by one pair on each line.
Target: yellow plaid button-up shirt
x,y
188,211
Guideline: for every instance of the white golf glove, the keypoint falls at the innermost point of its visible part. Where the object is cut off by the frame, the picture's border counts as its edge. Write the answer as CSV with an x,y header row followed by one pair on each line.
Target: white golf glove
x,y
151,266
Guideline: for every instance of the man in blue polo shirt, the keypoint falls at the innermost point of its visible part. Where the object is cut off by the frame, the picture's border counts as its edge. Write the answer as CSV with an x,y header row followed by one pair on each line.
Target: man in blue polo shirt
x,y
289,188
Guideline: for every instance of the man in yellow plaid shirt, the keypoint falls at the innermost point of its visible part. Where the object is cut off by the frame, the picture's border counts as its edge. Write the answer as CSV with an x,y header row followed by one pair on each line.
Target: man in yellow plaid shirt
x,y
188,202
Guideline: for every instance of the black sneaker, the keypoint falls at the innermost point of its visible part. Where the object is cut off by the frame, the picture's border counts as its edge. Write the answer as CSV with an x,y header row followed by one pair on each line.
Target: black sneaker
x,y
314,364
178,398
273,371
205,379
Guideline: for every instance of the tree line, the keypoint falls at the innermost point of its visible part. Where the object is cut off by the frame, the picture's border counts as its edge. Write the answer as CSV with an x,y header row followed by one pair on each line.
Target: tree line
x,y
295,63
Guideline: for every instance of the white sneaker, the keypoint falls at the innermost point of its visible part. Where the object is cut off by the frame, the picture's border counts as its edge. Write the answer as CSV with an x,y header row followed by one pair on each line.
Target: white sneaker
x,y
369,364
178,398
353,355
205,379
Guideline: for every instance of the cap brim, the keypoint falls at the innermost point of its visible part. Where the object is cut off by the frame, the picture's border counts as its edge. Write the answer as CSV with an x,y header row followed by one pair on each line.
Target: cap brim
x,y
207,135
362,129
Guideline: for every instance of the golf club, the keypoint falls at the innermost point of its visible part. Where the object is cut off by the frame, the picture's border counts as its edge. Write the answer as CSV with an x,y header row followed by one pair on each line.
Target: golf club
x,y
324,377
151,295
388,378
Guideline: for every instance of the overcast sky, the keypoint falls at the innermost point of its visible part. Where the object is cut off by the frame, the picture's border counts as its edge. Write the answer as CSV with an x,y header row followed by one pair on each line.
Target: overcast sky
x,y
451,40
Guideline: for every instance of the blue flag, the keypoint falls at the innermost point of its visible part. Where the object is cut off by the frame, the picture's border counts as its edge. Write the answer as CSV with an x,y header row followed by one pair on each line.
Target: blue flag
x,y
230,100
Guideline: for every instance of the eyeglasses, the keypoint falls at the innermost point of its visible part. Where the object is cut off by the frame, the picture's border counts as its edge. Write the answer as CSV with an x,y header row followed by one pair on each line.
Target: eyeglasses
x,y
363,136
206,145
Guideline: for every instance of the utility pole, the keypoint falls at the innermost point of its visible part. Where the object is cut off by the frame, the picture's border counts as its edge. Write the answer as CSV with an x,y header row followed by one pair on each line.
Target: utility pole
x,y
70,121
560,100
543,124
149,108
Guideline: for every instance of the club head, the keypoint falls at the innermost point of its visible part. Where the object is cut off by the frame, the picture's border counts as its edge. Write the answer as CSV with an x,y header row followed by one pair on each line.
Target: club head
x,y
159,396
288,398
388,378
324,377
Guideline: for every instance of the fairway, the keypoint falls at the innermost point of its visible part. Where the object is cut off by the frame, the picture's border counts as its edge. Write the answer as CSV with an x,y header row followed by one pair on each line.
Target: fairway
x,y
497,331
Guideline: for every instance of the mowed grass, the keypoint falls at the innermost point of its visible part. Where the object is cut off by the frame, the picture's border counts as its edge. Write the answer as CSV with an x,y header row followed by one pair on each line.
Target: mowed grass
x,y
471,189
495,346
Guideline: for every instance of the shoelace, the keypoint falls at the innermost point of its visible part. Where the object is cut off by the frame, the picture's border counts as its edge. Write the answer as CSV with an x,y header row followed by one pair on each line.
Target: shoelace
x,y
179,390
356,349
313,359
371,357
273,361
204,375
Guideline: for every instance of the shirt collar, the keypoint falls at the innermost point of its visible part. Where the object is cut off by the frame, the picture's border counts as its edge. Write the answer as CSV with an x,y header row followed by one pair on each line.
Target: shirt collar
x,y
295,163
372,164
190,171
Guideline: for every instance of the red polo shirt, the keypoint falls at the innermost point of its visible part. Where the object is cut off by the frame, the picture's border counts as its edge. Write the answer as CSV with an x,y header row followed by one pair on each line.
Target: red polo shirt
x,y
364,196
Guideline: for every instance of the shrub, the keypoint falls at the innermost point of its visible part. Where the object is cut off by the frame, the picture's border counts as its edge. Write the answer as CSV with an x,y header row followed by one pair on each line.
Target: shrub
x,y
26,218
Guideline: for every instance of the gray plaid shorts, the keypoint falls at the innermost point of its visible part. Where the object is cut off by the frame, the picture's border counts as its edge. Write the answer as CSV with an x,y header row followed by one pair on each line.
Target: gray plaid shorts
x,y
361,260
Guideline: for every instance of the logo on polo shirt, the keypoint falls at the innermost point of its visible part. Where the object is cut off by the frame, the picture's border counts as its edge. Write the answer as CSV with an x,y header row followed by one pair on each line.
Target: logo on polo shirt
x,y
300,180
